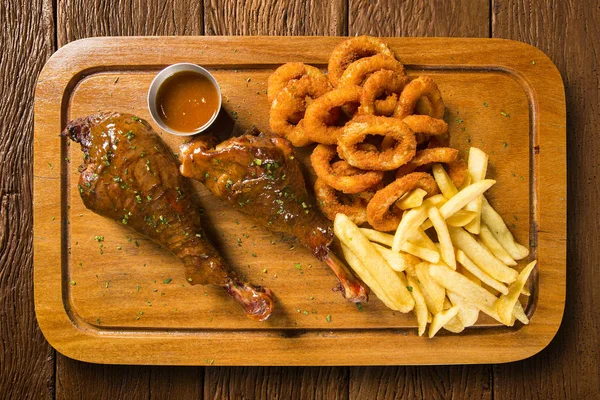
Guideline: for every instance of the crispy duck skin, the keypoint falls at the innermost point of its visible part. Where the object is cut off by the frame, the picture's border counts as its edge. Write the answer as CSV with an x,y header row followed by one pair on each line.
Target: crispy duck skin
x,y
131,176
258,175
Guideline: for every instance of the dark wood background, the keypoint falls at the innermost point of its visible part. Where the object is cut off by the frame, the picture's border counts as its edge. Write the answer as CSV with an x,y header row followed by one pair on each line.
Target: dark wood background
x,y
567,30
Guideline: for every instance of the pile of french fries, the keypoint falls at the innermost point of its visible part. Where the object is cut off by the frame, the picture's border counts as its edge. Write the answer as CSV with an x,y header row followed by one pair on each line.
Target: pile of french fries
x,y
472,268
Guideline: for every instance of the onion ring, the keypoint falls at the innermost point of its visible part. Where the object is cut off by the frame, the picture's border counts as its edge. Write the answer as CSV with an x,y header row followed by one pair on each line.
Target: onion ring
x,y
458,171
287,72
332,202
444,155
356,131
344,177
426,125
318,114
381,212
351,50
384,82
412,93
360,70
288,108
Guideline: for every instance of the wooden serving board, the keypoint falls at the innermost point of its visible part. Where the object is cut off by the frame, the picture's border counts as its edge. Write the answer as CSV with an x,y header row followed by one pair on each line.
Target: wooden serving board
x,y
125,300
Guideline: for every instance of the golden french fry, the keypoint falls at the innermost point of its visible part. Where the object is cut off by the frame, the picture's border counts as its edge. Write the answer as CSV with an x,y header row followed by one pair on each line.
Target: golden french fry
x,y
379,237
496,224
440,319
468,274
410,221
363,272
421,252
454,325
420,310
467,314
397,261
463,197
412,199
433,292
519,313
461,218
420,238
446,247
477,166
505,305
351,236
481,256
489,241
443,181
469,265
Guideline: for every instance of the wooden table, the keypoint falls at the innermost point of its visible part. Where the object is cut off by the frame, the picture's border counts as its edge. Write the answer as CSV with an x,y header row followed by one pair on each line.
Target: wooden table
x,y
568,31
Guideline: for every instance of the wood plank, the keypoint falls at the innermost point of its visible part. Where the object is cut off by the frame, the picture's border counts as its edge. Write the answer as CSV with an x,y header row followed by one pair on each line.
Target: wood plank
x,y
76,20
26,359
461,18
276,383
420,18
569,33
273,17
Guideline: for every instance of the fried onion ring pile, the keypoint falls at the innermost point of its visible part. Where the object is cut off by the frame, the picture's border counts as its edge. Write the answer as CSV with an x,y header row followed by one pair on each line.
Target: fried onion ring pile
x,y
352,50
289,106
375,119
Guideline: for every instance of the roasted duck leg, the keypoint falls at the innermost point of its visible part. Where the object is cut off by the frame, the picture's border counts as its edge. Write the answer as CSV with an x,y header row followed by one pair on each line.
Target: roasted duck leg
x,y
259,176
131,176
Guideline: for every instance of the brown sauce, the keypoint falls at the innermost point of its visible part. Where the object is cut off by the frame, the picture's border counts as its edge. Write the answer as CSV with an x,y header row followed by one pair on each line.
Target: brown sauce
x,y
186,101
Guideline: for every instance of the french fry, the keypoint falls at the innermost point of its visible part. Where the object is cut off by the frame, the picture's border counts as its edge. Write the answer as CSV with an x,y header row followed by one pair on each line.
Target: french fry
x,y
496,224
468,274
420,310
472,293
461,218
454,325
421,252
446,247
397,261
351,236
420,238
467,314
443,181
477,166
433,292
481,256
411,220
440,319
469,265
463,197
519,313
363,272
378,237
412,199
494,246
505,305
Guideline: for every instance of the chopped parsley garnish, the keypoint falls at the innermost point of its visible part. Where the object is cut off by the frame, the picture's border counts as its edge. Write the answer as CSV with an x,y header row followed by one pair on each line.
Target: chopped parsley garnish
x,y
298,266
167,281
328,318
410,288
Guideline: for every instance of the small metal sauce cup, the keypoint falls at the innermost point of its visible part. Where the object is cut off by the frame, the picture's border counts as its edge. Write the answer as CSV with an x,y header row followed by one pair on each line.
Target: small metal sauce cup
x,y
161,77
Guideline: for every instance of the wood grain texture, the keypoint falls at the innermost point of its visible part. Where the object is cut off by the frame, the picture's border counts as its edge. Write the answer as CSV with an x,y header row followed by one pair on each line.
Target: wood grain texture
x,y
568,32
435,382
273,17
77,19
26,359
420,18
79,380
462,18
232,383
